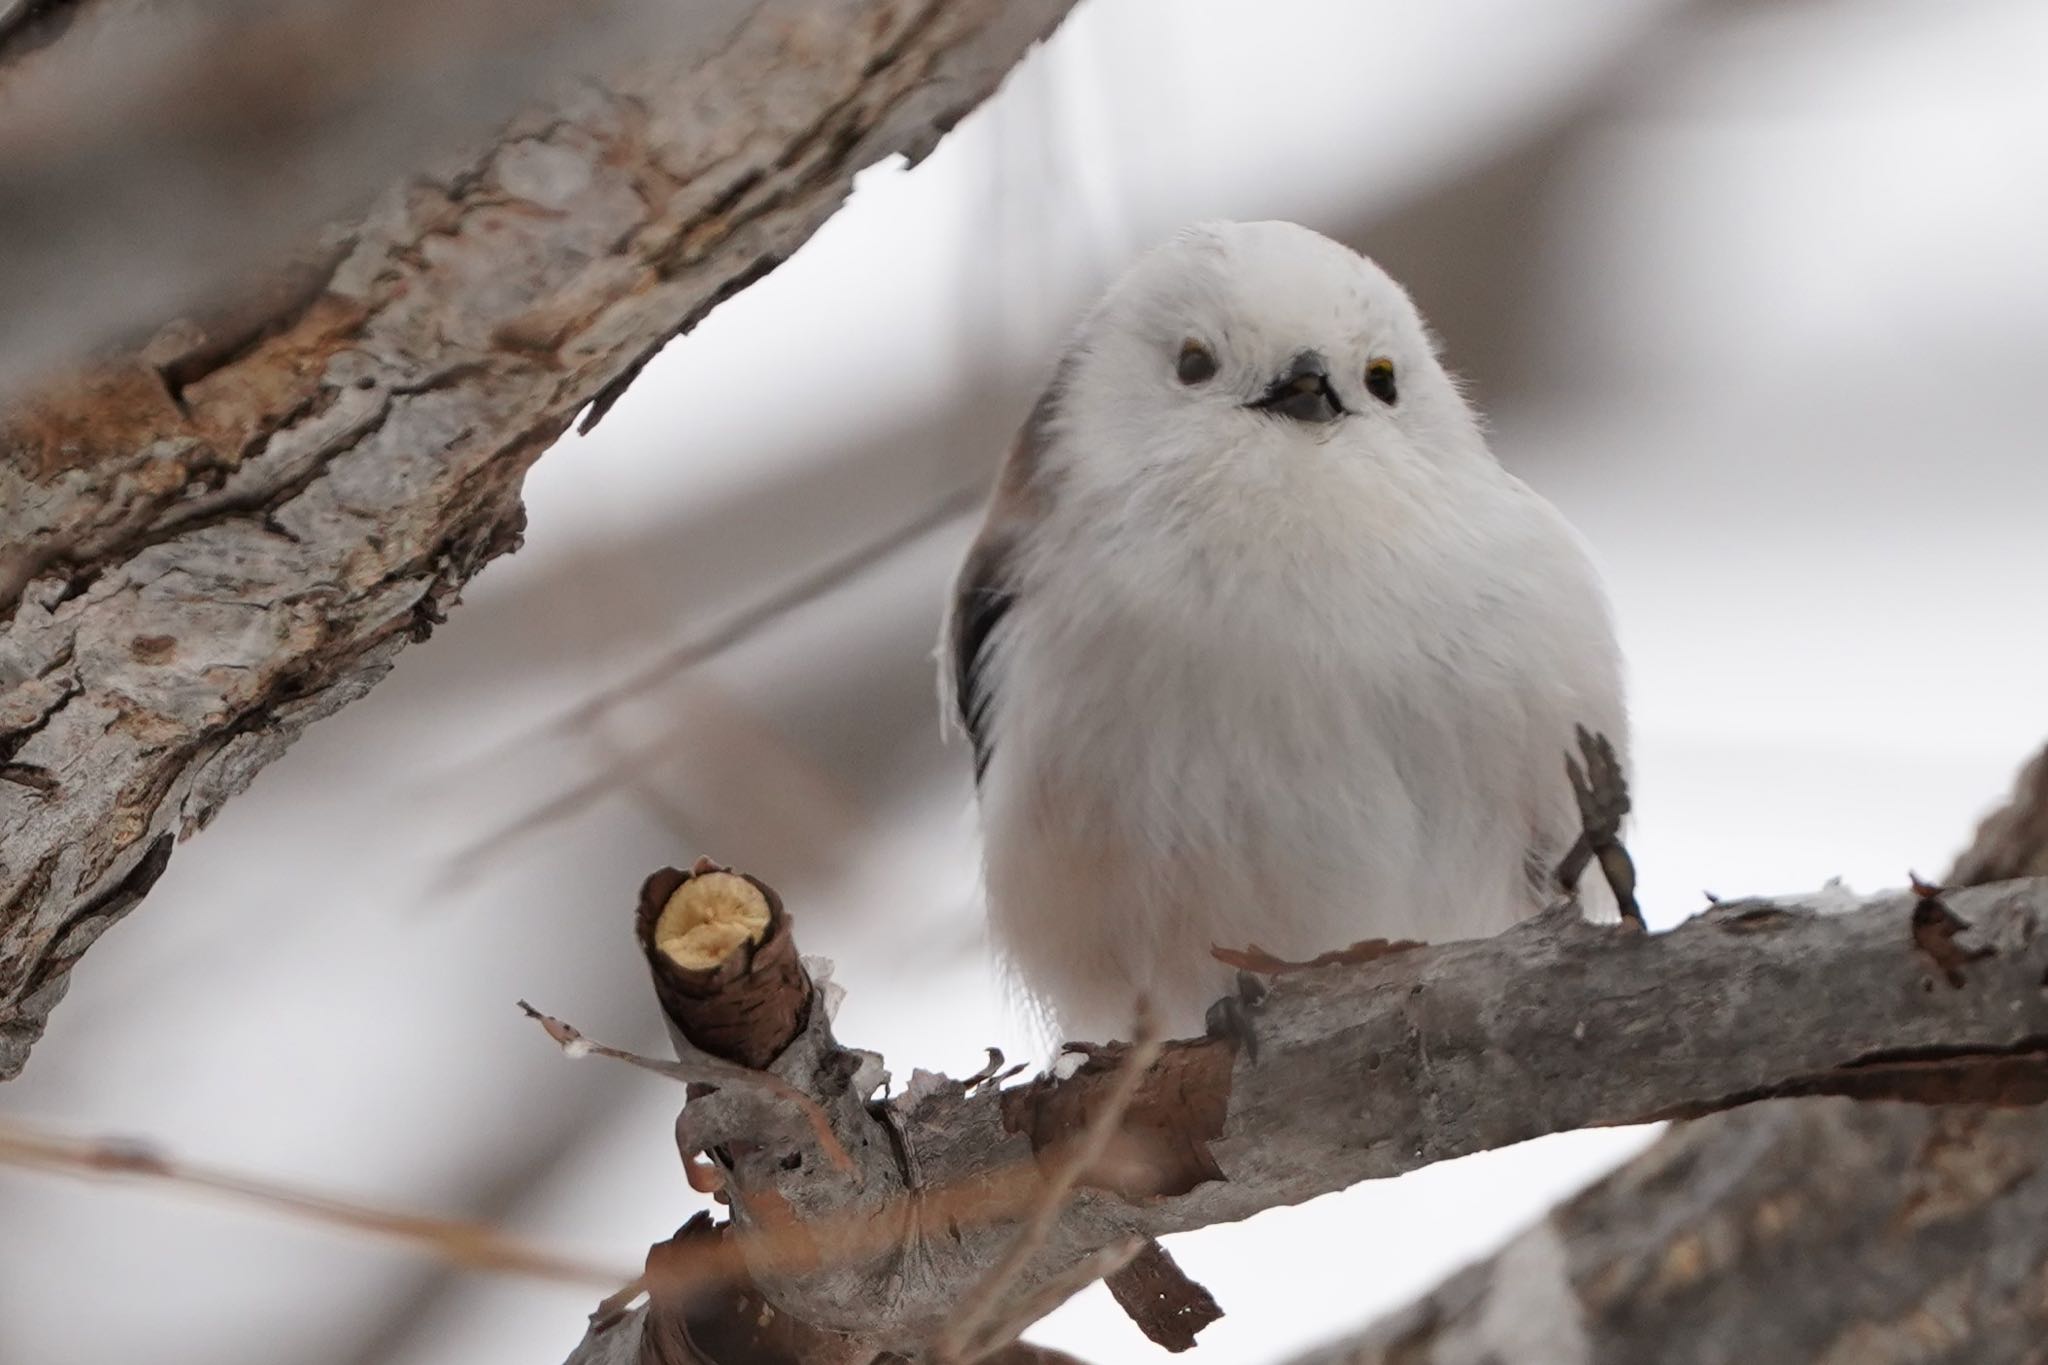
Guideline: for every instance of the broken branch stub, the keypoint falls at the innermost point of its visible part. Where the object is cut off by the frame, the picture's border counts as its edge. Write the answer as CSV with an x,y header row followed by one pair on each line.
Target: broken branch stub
x,y
730,984
724,963
723,957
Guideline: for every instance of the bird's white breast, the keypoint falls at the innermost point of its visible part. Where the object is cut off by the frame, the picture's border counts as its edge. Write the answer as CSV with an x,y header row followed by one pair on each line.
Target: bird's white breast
x,y
1280,701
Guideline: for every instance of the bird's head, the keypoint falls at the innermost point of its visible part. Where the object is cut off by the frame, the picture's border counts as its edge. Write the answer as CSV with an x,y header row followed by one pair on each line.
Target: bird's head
x,y
1260,339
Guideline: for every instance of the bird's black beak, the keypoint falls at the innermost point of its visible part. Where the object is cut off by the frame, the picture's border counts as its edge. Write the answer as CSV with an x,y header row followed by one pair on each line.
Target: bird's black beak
x,y
1303,392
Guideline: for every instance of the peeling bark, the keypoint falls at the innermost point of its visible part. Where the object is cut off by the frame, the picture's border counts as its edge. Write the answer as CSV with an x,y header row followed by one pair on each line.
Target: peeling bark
x,y
217,540
1367,1069
1168,1307
1816,1233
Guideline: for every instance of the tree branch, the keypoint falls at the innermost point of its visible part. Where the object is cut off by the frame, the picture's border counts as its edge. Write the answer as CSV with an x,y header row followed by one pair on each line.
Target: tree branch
x,y
1368,1069
1810,1231
1807,1232
229,534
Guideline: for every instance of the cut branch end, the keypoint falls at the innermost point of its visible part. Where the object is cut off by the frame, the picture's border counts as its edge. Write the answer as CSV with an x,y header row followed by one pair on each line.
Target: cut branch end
x,y
709,918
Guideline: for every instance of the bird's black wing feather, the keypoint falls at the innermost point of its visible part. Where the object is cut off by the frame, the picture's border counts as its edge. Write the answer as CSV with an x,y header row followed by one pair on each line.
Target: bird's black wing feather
x,y
985,591
979,605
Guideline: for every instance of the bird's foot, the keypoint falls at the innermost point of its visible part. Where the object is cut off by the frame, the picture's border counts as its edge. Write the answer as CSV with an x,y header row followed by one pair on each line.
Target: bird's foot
x,y
1601,790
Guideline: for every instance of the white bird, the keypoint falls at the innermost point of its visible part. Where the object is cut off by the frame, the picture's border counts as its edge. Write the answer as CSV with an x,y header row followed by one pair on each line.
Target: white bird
x,y
1259,645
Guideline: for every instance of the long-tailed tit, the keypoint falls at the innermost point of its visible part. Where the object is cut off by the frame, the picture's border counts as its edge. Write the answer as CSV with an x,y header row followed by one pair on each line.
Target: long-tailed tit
x,y
1259,645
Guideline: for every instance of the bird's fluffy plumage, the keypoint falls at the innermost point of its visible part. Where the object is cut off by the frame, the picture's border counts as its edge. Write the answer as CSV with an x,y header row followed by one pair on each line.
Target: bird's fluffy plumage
x,y
1234,678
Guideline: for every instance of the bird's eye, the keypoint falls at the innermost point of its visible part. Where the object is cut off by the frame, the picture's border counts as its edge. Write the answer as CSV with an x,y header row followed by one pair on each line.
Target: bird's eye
x,y
1196,363
1379,380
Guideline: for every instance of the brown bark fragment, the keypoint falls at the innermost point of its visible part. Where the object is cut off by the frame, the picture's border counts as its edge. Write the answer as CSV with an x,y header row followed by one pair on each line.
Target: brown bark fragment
x,y
1168,1307
1162,1147
1257,959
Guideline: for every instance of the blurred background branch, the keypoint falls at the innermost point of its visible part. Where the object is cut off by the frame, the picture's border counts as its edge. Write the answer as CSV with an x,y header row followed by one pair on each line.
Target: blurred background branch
x,y
458,1242
820,824
168,155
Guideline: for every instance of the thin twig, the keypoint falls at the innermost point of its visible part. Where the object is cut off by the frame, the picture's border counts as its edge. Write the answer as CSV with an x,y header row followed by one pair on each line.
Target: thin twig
x,y
745,622
614,1306
964,1341
703,1069
576,799
477,1246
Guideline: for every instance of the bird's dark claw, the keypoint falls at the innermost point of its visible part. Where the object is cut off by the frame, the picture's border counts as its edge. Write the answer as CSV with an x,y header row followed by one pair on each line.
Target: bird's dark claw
x,y
1602,793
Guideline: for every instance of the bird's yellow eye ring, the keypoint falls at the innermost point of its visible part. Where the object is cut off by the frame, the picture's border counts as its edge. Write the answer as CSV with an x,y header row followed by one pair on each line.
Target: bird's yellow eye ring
x,y
1379,380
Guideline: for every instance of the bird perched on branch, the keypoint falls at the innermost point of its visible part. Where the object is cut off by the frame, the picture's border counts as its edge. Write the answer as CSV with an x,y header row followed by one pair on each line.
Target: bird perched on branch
x,y
1259,645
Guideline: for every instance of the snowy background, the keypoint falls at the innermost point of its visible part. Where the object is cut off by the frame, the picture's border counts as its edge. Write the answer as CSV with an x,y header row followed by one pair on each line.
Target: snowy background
x,y
1755,290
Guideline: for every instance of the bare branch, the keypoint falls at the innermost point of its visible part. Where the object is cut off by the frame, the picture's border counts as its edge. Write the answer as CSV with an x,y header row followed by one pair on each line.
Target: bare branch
x,y
742,624
1412,1058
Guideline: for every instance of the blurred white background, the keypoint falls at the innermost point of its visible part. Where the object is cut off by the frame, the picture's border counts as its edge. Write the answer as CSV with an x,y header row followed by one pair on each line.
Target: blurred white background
x,y
1754,289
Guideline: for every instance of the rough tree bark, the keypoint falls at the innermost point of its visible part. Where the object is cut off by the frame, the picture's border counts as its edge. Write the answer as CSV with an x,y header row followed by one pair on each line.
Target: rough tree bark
x,y
1809,1232
1371,1063
1795,1233
228,533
